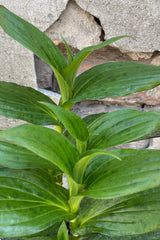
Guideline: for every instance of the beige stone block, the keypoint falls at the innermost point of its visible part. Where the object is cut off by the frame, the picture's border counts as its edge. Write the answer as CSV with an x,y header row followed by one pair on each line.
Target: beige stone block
x,y
8,123
16,62
156,60
139,56
76,26
137,18
38,12
154,143
135,145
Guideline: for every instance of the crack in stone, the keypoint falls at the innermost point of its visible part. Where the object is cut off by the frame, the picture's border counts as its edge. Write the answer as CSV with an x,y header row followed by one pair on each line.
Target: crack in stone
x,y
102,36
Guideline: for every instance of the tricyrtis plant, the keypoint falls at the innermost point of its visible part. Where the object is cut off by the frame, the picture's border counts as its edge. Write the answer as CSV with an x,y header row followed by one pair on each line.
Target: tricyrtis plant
x,y
111,194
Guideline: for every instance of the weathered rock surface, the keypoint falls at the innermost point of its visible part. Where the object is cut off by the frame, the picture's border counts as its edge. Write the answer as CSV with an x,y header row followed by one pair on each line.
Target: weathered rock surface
x,y
8,123
16,62
155,143
136,18
39,12
76,26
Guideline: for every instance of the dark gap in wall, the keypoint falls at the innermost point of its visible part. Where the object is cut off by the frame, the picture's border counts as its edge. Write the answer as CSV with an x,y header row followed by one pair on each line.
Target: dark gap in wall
x,y
102,36
143,106
156,53
45,76
55,87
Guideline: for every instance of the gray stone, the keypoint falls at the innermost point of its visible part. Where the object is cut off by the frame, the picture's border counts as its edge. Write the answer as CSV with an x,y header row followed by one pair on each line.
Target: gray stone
x,y
8,123
137,18
86,108
135,145
155,143
77,27
39,12
16,63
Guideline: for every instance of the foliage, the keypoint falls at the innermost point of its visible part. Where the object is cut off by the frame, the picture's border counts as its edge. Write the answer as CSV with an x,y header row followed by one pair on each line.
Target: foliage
x,y
112,194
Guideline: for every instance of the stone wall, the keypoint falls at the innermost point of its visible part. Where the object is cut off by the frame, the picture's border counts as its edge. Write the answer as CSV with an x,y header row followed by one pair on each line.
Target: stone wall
x,y
83,23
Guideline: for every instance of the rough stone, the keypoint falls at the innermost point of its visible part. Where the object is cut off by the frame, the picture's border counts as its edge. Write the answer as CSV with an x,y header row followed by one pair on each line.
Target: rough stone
x,y
8,123
135,145
40,13
76,26
16,63
154,143
89,107
150,97
139,56
156,60
137,18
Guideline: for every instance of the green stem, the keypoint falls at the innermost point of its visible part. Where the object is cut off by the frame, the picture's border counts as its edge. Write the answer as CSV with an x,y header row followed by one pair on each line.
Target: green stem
x,y
73,186
81,146
67,105
74,189
74,203
59,129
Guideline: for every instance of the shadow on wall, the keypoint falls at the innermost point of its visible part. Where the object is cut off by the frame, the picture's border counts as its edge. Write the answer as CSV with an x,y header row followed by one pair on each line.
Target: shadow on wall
x,y
44,76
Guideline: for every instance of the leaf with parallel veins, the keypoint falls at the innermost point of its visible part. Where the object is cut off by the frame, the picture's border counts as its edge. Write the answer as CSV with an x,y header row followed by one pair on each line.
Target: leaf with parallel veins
x,y
106,177
122,126
70,71
73,123
121,218
21,102
13,156
30,203
115,79
45,143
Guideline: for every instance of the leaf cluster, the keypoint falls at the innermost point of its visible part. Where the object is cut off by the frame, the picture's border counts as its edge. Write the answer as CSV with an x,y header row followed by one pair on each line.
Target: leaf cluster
x,y
112,194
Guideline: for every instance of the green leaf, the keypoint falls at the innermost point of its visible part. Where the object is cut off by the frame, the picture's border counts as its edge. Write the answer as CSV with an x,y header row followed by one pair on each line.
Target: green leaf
x,y
73,123
80,166
69,53
30,203
88,120
32,38
13,156
32,238
23,103
115,79
155,235
122,218
106,177
45,143
91,118
63,232
48,234
70,71
65,90
122,126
